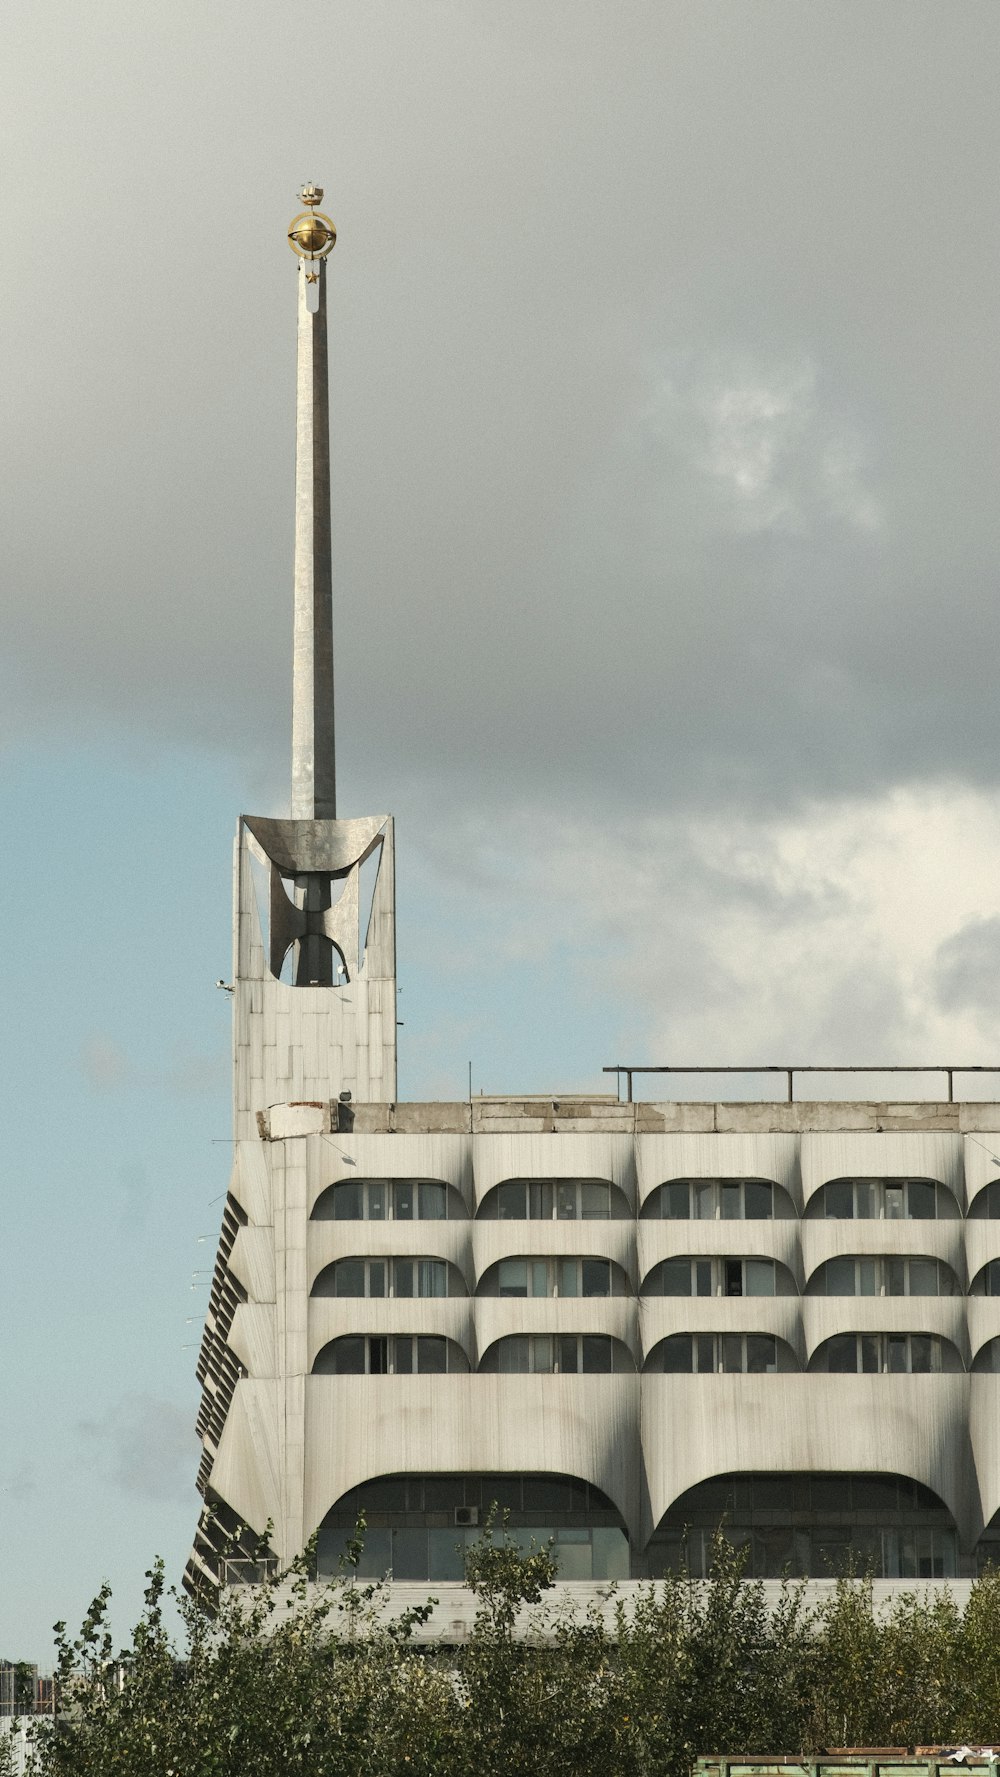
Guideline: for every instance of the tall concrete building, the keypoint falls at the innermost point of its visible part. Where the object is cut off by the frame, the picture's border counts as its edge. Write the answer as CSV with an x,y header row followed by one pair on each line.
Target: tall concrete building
x,y
621,1321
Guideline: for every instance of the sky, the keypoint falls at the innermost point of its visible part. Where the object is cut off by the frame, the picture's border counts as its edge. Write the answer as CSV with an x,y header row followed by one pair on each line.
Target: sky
x,y
664,365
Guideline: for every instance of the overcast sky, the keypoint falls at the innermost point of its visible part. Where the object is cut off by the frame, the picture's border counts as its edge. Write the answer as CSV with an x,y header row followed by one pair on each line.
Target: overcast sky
x,y
664,363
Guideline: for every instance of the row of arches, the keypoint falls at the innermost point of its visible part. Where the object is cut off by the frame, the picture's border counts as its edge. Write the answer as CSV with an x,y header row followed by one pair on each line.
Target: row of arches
x,y
682,1199
800,1524
694,1353
683,1274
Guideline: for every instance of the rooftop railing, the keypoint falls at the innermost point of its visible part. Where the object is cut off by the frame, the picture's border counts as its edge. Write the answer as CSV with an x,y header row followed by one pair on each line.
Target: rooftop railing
x,y
789,1075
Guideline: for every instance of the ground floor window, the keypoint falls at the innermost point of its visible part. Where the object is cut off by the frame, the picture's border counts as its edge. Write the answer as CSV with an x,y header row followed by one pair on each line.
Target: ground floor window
x,y
816,1525
419,1526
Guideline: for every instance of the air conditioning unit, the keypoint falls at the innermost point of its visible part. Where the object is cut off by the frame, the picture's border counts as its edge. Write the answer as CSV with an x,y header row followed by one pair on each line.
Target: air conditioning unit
x,y
466,1516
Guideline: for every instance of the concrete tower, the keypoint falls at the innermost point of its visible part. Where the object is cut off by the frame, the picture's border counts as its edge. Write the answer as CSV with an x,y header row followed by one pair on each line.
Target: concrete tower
x,y
314,1005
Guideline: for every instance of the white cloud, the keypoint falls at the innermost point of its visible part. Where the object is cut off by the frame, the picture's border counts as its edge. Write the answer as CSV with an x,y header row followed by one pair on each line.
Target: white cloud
x,y
767,438
857,932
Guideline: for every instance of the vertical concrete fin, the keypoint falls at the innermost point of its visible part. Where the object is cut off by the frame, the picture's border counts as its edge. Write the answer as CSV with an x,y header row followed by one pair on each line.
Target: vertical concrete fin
x,y
314,794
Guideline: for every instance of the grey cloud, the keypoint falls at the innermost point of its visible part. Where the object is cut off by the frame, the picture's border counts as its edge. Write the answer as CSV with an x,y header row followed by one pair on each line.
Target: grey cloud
x,y
967,969
104,1065
144,1446
783,588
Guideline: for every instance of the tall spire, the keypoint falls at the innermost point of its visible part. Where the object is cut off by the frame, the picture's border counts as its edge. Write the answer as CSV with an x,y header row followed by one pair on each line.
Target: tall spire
x,y
314,789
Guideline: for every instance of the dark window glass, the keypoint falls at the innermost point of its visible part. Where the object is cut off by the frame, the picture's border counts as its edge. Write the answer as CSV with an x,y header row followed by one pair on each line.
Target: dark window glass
x,y
540,1201
403,1277
893,1203
867,1199
543,1495
675,1201
596,1354
675,1277
378,1192
762,1354
927,1278
596,1277
566,1202
730,1200
839,1277
702,1278
433,1201
512,1357
376,1277
758,1201
595,1201
512,1277
869,1354
403,1193
922,1353
677,1354
378,1356
409,1554
896,1354
921,1200
895,1277
347,1203
704,1351
511,1201
349,1357
569,1355
734,1277
432,1356
732,1353
760,1277
350,1277
842,1354
839,1200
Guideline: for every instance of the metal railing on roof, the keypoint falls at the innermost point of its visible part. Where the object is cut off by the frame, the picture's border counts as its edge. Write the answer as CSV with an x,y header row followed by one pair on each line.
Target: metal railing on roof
x,y
790,1074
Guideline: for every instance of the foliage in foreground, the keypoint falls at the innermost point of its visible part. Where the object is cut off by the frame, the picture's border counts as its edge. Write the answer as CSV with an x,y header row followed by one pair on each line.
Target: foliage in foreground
x,y
314,1681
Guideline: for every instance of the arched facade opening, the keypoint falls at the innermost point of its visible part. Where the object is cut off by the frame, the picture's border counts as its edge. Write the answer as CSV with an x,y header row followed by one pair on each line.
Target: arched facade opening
x,y
554,1200
389,1200
391,1354
401,1278
985,1205
868,1274
543,1276
810,1525
418,1527
696,1274
717,1199
886,1354
725,1354
883,1200
557,1354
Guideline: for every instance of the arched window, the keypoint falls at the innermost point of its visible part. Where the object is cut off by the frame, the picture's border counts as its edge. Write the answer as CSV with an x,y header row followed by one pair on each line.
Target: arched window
x,y
420,1526
985,1205
560,1200
388,1200
727,1354
987,1359
868,1275
814,1525
696,1276
554,1277
716,1199
987,1281
394,1354
557,1354
886,1354
884,1200
404,1277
